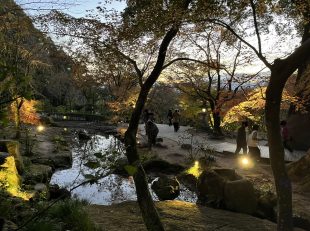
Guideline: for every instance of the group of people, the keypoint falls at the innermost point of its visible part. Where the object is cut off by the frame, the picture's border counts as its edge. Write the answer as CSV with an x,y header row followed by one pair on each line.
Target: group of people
x,y
250,143
174,119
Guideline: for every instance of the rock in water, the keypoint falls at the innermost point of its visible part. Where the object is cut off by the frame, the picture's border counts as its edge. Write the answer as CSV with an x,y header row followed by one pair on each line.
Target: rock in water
x,y
83,135
56,192
240,196
166,188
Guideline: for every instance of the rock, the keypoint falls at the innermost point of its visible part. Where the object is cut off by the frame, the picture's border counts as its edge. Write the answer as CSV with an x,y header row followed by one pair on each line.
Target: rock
x,y
301,222
159,139
47,120
210,189
299,128
240,196
12,147
40,187
42,191
186,146
37,173
3,156
120,166
6,225
266,206
227,173
299,172
189,181
166,188
162,166
62,159
56,192
82,135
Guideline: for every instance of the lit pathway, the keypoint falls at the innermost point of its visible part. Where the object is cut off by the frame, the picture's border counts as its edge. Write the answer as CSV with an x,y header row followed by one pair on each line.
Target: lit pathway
x,y
226,145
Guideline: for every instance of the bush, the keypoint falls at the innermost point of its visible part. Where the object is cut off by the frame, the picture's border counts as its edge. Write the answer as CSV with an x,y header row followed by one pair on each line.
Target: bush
x,y
64,215
71,212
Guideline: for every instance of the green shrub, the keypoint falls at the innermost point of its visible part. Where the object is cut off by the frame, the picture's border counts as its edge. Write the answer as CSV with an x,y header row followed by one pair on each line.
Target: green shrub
x,y
72,213
43,225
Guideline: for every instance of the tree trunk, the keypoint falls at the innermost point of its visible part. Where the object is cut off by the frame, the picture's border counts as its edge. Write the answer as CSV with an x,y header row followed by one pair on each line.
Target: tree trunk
x,y
216,119
146,204
17,104
147,207
272,109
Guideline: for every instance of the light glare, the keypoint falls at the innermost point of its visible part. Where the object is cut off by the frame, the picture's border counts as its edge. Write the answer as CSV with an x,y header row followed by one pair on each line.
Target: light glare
x,y
40,128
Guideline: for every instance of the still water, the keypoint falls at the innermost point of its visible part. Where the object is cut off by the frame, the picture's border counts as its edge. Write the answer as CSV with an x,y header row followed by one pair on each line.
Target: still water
x,y
93,158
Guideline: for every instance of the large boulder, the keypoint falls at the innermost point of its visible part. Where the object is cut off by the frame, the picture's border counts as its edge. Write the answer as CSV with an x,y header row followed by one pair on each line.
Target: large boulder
x,y
12,147
299,128
162,166
56,192
166,188
210,189
240,196
266,206
37,173
82,135
227,173
299,172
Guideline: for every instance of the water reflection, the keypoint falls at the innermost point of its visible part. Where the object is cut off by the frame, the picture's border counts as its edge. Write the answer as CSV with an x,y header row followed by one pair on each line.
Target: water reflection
x,y
110,189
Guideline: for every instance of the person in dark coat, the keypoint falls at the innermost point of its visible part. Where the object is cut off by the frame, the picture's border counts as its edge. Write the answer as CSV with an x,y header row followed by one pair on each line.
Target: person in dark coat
x,y
151,130
176,120
286,138
242,138
145,118
170,116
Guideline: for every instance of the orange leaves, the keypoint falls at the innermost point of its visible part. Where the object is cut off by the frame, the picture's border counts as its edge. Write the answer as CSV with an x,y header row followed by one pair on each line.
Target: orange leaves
x,y
28,112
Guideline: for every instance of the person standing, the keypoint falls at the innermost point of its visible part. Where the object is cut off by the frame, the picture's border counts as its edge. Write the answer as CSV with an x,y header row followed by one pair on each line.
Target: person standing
x,y
176,120
170,116
151,130
285,136
145,118
241,138
254,151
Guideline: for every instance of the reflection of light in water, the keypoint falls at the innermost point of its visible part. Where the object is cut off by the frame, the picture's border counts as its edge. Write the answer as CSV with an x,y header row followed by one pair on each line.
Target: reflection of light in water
x,y
110,189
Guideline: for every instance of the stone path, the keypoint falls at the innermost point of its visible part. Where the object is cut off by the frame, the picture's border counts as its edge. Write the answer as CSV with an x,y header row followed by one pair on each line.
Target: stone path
x,y
226,145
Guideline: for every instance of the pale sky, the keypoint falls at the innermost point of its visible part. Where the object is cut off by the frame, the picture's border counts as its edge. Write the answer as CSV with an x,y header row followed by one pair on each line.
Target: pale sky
x,y
77,8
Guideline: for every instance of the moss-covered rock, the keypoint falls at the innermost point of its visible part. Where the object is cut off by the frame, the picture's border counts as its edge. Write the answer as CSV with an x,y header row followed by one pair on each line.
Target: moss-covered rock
x,y
13,148
37,173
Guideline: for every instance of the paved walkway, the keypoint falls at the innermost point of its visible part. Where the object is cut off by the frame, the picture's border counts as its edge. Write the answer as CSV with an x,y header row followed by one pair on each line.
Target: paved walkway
x,y
226,145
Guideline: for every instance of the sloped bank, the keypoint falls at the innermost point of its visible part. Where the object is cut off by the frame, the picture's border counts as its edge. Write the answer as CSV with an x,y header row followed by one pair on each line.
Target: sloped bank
x,y
176,216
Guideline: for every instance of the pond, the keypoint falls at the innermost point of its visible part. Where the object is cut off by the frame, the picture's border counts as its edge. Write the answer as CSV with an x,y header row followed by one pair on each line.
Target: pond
x,y
92,158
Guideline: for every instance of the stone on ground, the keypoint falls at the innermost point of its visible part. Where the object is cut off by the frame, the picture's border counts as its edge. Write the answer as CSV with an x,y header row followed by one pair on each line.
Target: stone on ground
x,y
240,196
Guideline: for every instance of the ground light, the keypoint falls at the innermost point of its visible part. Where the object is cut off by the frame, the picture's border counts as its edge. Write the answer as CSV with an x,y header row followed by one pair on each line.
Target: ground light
x,y
245,162
40,128
195,170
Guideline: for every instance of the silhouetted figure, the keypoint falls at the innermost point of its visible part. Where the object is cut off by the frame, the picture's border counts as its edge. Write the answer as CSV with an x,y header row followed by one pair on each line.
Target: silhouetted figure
x,y
286,139
176,120
145,118
253,143
170,116
241,138
151,130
